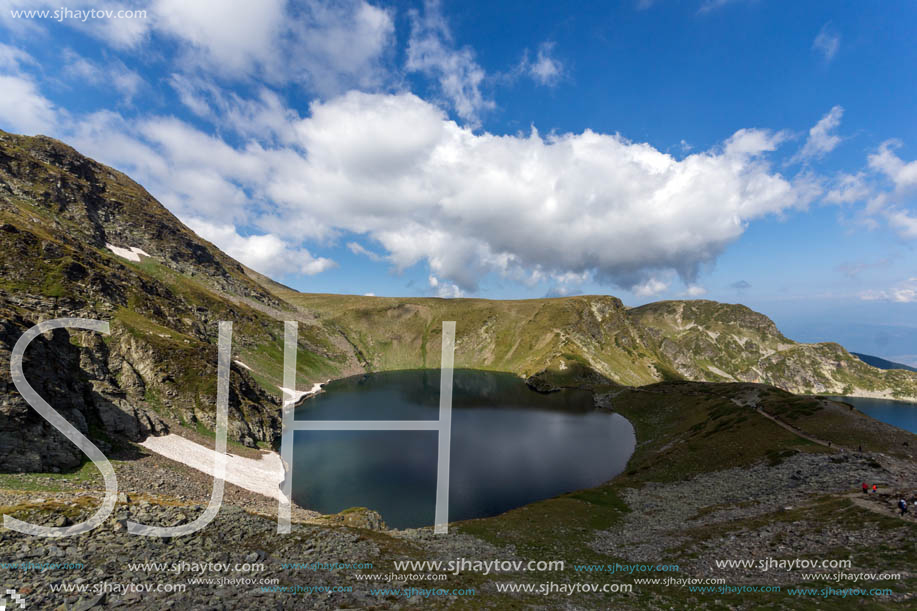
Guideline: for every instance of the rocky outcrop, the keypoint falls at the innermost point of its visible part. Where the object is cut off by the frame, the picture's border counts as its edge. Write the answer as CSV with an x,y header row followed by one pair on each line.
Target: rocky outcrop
x,y
116,387
716,342
77,382
97,205
355,517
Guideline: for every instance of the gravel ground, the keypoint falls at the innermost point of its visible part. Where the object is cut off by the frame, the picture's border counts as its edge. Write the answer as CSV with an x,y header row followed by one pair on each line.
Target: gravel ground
x,y
746,506
666,517
157,491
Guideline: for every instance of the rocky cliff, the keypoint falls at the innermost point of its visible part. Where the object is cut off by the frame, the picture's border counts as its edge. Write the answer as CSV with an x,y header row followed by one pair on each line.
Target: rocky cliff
x,y
594,339
71,233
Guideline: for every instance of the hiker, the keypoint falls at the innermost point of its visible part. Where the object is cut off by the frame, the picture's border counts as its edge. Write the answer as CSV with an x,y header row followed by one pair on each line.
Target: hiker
x,y
902,505
865,488
875,488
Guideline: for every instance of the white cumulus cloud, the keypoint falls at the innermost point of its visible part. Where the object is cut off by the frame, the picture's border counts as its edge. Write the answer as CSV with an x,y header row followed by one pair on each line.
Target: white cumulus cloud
x,y
827,42
446,290
263,253
649,288
328,46
394,169
546,69
902,173
904,223
22,107
469,203
822,139
847,189
431,52
904,292
358,249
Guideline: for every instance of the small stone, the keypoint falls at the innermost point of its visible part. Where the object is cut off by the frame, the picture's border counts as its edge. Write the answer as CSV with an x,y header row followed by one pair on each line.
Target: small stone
x,y
89,604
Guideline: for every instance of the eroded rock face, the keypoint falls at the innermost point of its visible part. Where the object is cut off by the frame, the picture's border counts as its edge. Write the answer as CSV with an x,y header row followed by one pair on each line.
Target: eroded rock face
x,y
116,387
48,365
157,368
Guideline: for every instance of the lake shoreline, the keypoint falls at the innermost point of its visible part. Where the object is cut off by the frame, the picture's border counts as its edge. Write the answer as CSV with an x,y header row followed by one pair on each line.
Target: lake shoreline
x,y
912,402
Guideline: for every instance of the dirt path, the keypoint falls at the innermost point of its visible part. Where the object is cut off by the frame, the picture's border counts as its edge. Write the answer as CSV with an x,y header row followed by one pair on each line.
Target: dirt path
x,y
752,398
796,431
867,502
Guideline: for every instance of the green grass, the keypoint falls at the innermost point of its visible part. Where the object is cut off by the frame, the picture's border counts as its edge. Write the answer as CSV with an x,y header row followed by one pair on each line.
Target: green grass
x,y
52,482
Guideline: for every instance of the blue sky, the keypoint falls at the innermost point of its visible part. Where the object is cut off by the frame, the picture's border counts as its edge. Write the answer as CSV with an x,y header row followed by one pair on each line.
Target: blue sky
x,y
744,151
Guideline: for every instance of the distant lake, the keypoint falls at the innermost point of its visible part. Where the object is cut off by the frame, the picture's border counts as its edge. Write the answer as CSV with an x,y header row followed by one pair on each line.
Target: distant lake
x,y
896,413
510,446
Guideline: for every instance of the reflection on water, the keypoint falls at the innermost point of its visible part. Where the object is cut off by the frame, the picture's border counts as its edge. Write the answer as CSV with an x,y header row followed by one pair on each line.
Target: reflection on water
x,y
510,446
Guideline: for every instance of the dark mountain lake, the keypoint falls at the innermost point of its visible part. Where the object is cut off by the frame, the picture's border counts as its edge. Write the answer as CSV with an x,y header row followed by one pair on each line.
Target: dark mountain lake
x,y
896,413
510,446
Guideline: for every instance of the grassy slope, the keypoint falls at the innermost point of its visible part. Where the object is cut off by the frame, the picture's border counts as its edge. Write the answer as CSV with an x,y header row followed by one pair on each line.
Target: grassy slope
x,y
522,336
51,253
151,302
694,340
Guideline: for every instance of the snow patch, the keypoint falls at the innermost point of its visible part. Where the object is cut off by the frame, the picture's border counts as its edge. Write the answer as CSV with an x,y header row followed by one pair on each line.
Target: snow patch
x,y
292,397
242,365
720,372
131,254
262,476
